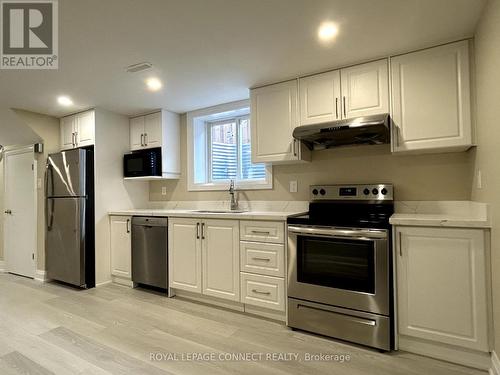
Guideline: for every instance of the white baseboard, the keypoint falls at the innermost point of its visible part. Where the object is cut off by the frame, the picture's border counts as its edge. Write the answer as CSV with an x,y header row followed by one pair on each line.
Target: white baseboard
x,y
122,281
444,352
2,266
41,275
495,364
237,306
104,283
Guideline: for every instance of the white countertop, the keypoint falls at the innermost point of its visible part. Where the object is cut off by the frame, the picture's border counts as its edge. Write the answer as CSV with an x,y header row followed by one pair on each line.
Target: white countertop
x,y
249,215
459,214
254,210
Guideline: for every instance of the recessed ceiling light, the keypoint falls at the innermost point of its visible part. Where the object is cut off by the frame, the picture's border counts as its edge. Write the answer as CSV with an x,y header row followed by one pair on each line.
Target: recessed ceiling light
x,y
327,31
65,100
154,84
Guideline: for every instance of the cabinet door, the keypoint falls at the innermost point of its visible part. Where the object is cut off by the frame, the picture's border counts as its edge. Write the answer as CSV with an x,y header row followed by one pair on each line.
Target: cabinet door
x,y
441,284
184,254
136,133
121,246
85,129
365,89
68,128
319,98
431,107
221,259
153,130
274,117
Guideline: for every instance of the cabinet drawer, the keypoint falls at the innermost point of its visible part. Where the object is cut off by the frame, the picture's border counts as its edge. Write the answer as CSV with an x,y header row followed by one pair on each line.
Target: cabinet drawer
x,y
262,231
262,258
263,291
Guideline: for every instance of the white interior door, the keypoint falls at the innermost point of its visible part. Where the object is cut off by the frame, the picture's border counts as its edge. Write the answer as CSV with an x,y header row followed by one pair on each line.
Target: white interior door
x,y
20,213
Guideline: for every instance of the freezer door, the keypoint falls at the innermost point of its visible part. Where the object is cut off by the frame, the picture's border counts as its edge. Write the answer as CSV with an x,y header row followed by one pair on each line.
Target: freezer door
x,y
66,174
65,240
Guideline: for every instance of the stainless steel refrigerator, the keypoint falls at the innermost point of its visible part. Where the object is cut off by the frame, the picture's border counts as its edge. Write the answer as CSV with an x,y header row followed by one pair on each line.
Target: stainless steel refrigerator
x,y
70,238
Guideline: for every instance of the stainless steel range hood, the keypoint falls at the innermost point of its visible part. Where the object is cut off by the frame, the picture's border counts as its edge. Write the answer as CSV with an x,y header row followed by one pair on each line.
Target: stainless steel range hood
x,y
372,130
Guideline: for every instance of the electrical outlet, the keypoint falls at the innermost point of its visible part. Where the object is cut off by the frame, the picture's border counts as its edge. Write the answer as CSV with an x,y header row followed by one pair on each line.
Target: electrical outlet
x,y
293,186
163,190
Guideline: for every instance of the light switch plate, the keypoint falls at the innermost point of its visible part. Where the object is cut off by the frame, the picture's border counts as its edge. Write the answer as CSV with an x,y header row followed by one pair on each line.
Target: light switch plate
x,y
163,190
293,186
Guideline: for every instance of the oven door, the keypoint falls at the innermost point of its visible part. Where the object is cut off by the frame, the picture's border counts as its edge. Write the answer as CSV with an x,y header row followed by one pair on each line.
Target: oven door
x,y
340,267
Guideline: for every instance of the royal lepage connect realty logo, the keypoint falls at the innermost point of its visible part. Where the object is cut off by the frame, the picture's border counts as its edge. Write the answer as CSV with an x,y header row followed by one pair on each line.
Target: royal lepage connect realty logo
x,y
29,37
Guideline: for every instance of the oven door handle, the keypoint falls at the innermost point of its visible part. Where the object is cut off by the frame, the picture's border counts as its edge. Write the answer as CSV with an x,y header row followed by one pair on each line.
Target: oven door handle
x,y
360,234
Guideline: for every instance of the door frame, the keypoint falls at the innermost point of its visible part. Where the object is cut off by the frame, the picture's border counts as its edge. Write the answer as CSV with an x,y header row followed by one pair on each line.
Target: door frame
x,y
17,150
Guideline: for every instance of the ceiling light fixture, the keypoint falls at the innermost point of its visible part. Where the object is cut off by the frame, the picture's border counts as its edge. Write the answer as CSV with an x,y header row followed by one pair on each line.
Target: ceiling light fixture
x,y
327,31
65,101
154,84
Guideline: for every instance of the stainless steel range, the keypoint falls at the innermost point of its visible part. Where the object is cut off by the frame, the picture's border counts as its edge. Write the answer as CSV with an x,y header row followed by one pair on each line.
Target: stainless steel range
x,y
340,265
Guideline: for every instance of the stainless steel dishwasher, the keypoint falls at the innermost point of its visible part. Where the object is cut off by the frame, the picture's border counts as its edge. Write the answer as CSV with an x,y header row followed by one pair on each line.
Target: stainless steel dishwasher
x,y
149,251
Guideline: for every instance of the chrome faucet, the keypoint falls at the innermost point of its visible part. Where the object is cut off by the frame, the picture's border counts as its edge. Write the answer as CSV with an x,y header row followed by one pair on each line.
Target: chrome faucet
x,y
234,204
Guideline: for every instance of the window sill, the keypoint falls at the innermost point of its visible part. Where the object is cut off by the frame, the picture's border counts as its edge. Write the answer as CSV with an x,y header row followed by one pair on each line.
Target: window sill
x,y
225,187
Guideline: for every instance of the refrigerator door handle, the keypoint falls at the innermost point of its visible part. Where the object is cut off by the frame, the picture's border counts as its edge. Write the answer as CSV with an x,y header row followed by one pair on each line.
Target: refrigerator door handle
x,y
49,218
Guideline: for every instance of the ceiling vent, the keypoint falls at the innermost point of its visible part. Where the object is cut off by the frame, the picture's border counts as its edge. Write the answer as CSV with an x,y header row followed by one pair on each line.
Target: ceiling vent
x,y
139,67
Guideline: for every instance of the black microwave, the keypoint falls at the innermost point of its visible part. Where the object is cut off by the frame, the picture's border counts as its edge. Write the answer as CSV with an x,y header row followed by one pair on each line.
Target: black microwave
x,y
143,163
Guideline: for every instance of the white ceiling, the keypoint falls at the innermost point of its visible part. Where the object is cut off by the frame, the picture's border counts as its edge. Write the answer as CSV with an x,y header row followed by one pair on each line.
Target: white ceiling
x,y
209,52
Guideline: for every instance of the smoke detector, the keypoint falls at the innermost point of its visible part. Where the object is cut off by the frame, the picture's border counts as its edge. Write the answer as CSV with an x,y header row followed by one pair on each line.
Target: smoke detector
x,y
140,67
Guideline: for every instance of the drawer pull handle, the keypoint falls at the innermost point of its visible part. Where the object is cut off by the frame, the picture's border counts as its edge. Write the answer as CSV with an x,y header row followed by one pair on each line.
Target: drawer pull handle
x,y
350,318
262,259
267,233
259,292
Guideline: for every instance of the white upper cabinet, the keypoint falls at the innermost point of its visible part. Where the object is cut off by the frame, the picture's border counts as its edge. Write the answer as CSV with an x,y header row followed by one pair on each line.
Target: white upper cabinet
x,y
320,98
153,130
431,106
68,126
442,286
146,131
365,89
274,116
159,129
86,129
78,130
360,90
136,133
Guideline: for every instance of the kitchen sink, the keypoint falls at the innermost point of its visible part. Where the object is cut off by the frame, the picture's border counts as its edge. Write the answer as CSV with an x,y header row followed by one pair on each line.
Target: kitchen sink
x,y
220,211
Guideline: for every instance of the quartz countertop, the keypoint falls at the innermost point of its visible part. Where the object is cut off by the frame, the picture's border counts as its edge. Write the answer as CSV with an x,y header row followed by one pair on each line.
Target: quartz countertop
x,y
253,210
247,215
459,214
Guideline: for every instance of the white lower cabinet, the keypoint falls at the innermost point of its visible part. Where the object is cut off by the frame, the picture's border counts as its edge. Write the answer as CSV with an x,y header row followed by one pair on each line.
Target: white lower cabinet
x,y
121,247
221,259
184,254
263,291
442,286
204,257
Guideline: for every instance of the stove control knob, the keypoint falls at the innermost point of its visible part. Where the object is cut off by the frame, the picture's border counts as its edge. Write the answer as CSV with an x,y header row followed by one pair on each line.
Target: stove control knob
x,y
322,192
384,191
315,192
366,191
375,191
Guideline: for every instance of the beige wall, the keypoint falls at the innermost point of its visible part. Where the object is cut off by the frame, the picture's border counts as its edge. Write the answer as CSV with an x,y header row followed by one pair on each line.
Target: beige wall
x,y
47,128
422,177
488,134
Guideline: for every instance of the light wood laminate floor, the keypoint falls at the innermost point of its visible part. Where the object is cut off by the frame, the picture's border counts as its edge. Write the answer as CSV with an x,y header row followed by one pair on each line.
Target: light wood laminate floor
x,y
54,329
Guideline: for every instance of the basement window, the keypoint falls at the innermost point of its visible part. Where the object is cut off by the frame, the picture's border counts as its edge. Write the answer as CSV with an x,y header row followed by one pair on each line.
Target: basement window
x,y
219,150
